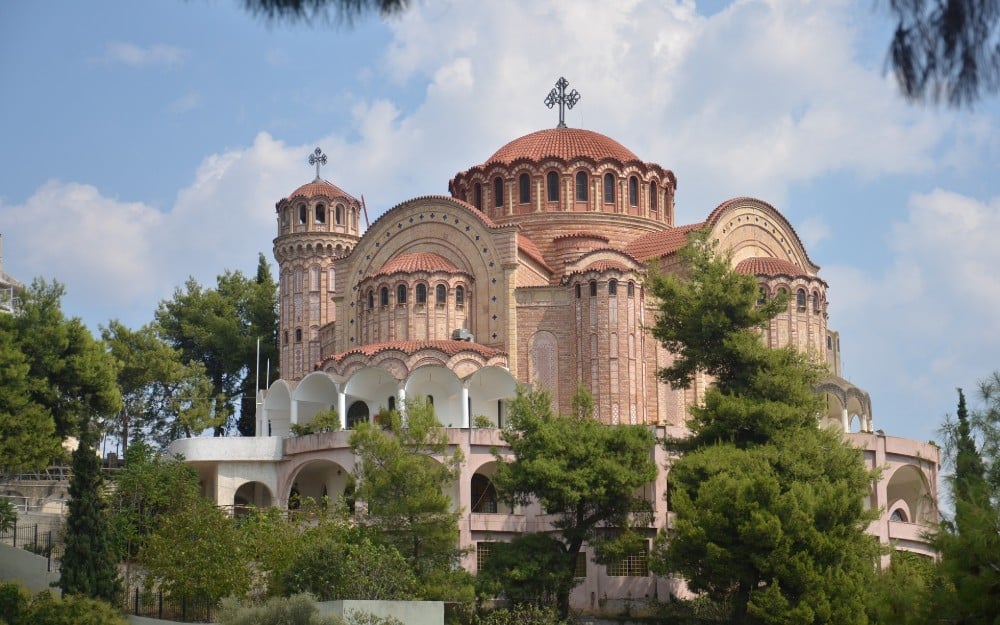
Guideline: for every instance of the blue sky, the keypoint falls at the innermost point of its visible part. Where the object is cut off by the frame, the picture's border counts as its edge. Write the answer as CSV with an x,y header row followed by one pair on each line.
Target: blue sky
x,y
146,142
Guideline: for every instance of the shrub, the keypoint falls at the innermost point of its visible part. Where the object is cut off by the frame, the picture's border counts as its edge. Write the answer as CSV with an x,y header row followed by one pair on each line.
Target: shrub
x,y
295,610
323,421
47,609
520,614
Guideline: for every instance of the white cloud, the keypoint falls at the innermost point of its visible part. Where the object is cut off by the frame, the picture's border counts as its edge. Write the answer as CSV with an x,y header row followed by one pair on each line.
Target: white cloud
x,y
134,55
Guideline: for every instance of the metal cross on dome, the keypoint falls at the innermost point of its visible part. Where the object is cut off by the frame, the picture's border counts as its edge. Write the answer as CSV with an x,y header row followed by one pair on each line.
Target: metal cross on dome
x,y
317,158
565,100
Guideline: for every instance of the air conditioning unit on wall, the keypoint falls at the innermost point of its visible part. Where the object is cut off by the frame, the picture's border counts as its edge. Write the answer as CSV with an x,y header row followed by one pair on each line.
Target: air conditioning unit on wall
x,y
461,334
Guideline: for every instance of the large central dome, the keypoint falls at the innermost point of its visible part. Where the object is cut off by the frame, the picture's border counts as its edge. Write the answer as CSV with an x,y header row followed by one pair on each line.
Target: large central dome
x,y
563,143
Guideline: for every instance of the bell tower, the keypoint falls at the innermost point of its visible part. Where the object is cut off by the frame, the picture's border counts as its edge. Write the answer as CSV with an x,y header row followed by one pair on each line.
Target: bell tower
x,y
317,223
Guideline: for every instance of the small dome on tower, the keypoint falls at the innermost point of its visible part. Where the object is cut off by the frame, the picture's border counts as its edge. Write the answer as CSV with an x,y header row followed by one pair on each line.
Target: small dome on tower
x,y
319,187
765,266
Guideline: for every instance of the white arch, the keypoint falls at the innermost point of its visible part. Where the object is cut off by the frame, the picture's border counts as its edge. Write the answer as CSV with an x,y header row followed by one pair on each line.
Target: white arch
x,y
277,410
488,388
315,392
441,384
373,386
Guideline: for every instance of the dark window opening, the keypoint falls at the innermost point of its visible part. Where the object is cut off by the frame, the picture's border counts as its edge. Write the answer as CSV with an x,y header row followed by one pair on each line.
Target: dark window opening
x,y
320,214
484,495
440,295
357,413
401,294
816,302
609,188
633,191
581,186
631,289
421,293
459,297
613,287
498,192
800,300
578,291
761,295
524,184
338,214
391,402
552,186
371,299
383,296
298,335
593,288
302,213
653,202
478,196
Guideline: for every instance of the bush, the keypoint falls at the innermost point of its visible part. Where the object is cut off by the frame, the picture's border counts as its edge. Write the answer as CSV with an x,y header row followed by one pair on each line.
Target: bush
x,y
520,615
357,617
337,569
47,609
14,599
296,610
323,421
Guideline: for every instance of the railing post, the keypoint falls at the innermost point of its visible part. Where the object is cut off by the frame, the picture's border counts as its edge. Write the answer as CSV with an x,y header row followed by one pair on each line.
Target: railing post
x,y
36,536
15,533
136,609
160,609
184,609
48,552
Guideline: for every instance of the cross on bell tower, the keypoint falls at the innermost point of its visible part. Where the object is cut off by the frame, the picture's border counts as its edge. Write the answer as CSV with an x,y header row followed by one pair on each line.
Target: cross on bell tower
x,y
565,100
317,158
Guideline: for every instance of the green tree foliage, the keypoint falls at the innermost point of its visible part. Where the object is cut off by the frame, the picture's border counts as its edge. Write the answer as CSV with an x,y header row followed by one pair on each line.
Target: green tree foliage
x,y
946,49
147,491
261,313
969,543
164,397
18,607
273,539
581,471
52,374
309,10
531,569
198,552
769,513
219,329
297,610
901,591
323,421
521,614
8,515
346,564
88,564
401,476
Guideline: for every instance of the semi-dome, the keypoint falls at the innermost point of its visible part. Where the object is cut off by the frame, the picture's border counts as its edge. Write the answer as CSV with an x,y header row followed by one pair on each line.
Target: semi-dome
x,y
418,261
563,143
764,266
319,187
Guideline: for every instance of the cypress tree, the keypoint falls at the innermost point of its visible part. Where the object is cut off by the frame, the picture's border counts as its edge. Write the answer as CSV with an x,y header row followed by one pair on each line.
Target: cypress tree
x,y
88,565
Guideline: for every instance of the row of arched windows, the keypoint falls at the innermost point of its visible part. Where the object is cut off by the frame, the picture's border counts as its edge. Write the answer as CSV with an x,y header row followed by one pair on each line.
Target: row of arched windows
x,y
420,295
612,288
801,299
319,215
581,188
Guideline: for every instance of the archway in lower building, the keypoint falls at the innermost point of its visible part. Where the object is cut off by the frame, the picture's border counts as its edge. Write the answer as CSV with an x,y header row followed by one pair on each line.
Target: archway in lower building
x,y
484,499
251,495
357,413
318,483
907,490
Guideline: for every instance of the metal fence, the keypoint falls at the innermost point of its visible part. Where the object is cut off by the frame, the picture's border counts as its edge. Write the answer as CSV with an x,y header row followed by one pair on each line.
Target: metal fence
x,y
30,538
139,602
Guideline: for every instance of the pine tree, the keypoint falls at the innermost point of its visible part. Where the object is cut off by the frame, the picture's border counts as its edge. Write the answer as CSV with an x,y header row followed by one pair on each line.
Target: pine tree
x,y
88,565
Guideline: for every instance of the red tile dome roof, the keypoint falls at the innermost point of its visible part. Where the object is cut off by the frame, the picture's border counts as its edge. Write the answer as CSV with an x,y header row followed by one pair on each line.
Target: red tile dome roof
x,y
764,266
320,187
419,261
564,143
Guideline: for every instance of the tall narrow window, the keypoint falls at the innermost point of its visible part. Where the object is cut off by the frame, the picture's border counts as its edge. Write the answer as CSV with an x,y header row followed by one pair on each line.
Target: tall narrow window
x,y
401,294
653,203
609,188
478,196
440,295
320,214
816,306
339,214
593,288
578,291
498,191
421,293
761,296
302,213
524,185
612,287
391,402
633,191
581,186
800,300
552,186
631,289
371,299
298,335
383,296
459,296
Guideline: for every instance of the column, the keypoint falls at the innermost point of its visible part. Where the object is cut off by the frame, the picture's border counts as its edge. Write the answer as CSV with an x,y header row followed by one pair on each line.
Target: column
x,y
401,401
342,408
845,420
465,406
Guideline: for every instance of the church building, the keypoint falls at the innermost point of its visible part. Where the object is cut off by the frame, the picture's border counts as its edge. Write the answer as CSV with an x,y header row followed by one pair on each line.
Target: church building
x,y
528,271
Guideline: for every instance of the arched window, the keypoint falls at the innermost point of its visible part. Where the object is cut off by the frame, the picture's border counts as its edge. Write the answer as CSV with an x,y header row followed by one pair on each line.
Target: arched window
x,y
633,191
761,295
653,202
478,196
371,299
581,186
484,495
421,293
498,191
391,402
816,302
383,296
401,294
609,188
631,289
552,186
302,213
898,515
578,291
284,217
612,287
440,295
800,300
320,214
338,215
524,185
357,413
593,288
298,335
459,296
286,337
